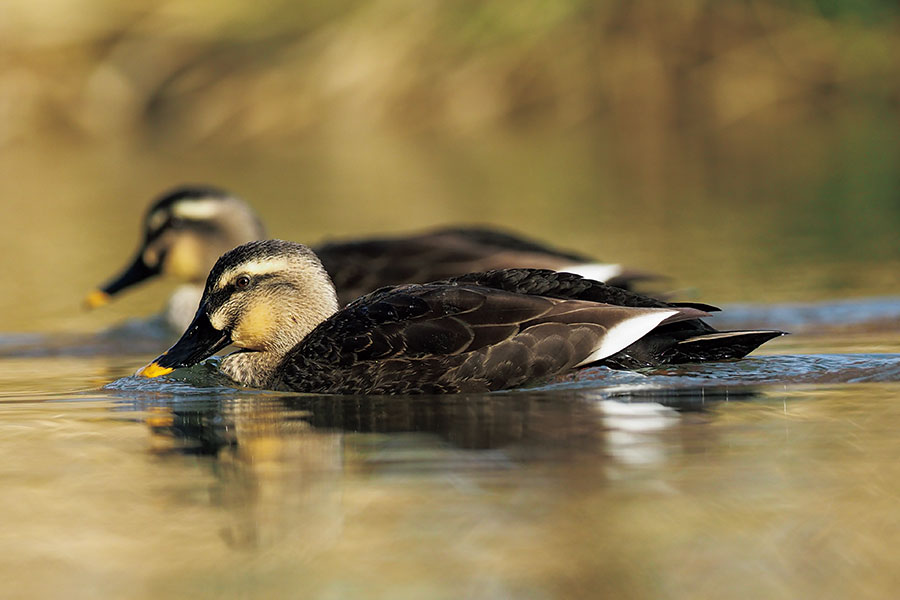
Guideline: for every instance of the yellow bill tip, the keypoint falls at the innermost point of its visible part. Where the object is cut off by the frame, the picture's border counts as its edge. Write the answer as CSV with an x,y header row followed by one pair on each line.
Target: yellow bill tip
x,y
96,299
153,370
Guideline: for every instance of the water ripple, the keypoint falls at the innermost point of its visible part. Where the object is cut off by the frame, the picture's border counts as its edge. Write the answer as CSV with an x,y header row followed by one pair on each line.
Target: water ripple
x,y
732,378
797,369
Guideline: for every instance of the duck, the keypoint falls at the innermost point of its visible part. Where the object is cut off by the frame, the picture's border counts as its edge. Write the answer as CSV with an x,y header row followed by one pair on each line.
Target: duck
x,y
479,332
184,231
188,227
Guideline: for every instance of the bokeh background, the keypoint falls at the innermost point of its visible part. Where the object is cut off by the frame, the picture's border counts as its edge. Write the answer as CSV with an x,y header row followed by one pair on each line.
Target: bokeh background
x,y
748,149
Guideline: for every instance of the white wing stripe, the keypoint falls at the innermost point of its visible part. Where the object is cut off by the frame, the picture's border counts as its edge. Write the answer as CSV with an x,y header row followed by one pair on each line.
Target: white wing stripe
x,y
627,332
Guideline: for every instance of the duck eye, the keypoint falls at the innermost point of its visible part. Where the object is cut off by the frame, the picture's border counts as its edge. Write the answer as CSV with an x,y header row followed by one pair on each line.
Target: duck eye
x,y
242,282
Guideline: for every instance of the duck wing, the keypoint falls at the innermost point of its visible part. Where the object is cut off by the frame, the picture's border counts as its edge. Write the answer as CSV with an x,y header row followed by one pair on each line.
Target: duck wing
x,y
359,267
504,240
555,284
455,337
683,341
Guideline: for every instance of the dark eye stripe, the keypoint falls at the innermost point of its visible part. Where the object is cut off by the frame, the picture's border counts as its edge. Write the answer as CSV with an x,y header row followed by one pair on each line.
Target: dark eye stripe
x,y
174,223
218,297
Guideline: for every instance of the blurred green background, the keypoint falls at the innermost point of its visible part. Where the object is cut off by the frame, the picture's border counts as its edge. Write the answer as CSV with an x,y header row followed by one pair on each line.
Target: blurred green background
x,y
749,149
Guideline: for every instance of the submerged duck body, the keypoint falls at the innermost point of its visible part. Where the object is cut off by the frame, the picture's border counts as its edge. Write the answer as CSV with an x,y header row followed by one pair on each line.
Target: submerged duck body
x,y
479,332
188,228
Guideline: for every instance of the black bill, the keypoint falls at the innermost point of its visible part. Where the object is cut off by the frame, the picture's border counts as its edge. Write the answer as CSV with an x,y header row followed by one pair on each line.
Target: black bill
x,y
137,272
200,340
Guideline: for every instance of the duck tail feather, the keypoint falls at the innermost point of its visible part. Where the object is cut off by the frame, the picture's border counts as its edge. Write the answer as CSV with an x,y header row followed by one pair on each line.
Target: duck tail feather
x,y
698,305
722,345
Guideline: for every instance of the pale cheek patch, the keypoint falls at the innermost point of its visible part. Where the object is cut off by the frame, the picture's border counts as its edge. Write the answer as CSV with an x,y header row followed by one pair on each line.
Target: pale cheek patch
x,y
255,327
151,257
183,260
217,320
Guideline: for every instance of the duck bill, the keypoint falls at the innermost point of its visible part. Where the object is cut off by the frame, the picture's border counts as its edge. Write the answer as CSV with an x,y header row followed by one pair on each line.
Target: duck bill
x,y
200,340
135,273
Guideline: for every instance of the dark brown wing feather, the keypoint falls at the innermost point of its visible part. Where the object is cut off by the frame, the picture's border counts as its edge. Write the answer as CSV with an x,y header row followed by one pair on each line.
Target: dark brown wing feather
x,y
559,285
493,330
360,267
504,240
448,338
674,343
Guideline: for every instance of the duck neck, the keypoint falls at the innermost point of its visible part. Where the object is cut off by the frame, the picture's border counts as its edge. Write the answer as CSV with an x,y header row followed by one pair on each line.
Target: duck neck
x,y
252,368
257,363
182,306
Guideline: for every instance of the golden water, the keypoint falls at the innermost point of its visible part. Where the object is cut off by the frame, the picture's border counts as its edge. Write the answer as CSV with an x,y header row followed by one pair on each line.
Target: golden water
x,y
775,477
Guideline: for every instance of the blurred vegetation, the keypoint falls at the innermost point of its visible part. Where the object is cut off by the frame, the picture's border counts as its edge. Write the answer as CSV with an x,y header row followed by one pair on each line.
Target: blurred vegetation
x,y
748,149
236,72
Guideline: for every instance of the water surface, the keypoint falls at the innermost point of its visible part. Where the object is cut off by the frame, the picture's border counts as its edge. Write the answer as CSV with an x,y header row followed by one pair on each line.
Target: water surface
x,y
679,483
772,477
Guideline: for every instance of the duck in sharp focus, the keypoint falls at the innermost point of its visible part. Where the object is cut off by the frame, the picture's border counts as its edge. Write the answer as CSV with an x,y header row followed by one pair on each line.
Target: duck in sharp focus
x,y
189,227
479,332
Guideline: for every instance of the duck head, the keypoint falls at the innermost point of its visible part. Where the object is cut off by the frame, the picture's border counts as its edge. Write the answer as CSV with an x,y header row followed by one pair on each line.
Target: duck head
x,y
263,297
184,231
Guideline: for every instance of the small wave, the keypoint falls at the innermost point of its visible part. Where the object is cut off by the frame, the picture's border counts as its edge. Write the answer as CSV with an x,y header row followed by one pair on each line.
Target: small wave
x,y
203,379
798,369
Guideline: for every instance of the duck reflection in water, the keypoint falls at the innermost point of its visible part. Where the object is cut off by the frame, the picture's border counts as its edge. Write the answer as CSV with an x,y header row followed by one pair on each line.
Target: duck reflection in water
x,y
529,424
282,466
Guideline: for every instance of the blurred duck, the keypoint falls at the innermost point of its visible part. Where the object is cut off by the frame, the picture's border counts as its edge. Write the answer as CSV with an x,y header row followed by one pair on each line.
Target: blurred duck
x,y
479,332
184,232
187,228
